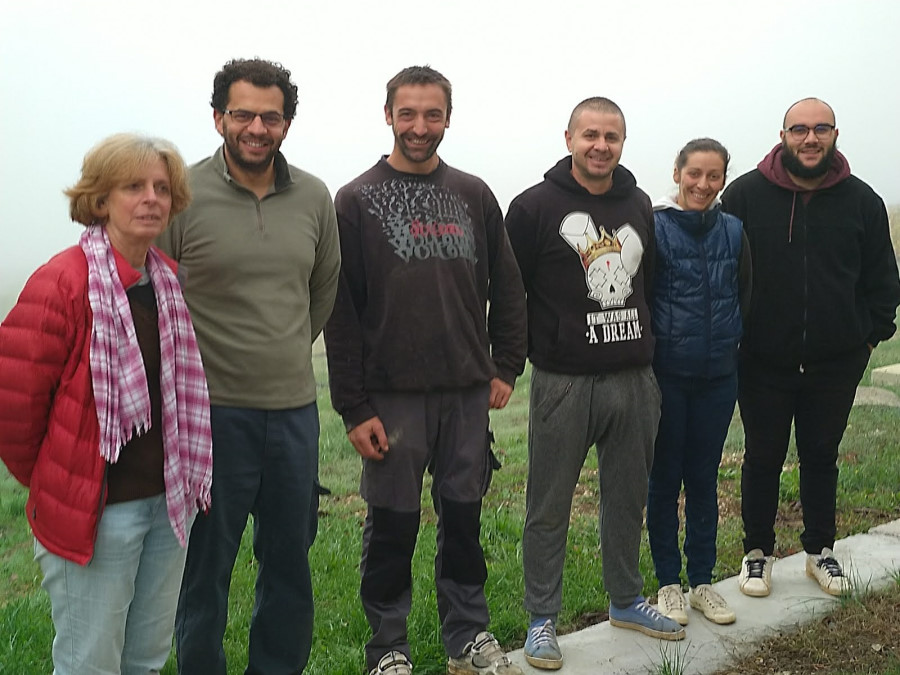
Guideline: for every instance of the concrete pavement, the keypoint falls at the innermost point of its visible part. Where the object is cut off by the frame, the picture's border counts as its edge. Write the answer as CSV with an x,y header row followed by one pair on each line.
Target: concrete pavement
x,y
872,560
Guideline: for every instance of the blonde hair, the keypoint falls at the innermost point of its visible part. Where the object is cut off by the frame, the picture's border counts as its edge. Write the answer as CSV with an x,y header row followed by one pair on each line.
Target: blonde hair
x,y
118,159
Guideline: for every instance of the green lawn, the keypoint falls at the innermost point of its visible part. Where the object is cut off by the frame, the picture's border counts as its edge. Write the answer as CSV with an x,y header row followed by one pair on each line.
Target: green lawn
x,y
869,493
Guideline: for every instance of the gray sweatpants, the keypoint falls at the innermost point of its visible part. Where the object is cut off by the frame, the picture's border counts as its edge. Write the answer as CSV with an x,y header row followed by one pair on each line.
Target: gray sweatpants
x,y
619,414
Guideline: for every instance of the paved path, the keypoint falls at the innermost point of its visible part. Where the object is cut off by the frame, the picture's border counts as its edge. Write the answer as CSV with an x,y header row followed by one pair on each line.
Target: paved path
x,y
870,559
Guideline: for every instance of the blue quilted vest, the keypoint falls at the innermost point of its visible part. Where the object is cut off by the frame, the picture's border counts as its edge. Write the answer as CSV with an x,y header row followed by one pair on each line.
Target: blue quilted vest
x,y
696,301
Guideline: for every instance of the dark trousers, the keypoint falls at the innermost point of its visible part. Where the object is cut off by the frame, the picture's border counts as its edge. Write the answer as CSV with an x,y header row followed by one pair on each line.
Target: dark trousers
x,y
693,424
818,401
265,463
445,432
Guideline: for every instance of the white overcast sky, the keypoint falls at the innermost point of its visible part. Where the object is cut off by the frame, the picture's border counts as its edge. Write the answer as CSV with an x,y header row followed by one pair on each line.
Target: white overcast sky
x,y
75,71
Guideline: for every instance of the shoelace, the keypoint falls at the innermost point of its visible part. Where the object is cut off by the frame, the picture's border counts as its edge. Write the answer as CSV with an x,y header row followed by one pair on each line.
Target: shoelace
x,y
755,568
712,598
393,662
543,635
832,566
674,600
647,610
489,648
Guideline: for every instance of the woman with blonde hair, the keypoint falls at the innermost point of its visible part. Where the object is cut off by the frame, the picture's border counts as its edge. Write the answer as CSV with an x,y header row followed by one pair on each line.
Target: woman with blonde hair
x,y
104,414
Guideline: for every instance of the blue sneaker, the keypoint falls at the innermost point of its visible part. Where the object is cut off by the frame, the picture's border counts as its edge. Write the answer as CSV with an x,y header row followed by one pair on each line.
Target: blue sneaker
x,y
541,648
644,617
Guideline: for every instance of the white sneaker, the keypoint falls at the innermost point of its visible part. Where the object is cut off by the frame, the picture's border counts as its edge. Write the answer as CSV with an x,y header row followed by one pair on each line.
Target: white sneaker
x,y
393,663
670,602
483,656
826,570
713,605
755,578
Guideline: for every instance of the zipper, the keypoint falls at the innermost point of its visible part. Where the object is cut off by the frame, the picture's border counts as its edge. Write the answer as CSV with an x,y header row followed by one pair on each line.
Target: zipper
x,y
100,508
707,299
805,284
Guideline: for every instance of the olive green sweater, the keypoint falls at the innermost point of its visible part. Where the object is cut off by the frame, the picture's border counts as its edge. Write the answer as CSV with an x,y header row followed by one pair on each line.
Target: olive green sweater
x,y
260,276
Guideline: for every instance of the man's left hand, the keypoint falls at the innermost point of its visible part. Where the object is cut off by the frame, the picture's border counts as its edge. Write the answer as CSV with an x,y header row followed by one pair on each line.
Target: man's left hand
x,y
500,393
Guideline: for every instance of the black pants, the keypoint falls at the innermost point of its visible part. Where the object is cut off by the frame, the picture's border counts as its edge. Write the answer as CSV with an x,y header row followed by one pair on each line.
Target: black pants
x,y
818,401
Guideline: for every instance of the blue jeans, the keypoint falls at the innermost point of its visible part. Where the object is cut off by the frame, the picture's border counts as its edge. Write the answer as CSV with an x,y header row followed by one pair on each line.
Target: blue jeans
x,y
696,413
116,614
265,463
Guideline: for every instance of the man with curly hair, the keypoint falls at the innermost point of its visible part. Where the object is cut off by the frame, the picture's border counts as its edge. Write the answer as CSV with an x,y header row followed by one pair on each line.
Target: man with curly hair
x,y
260,249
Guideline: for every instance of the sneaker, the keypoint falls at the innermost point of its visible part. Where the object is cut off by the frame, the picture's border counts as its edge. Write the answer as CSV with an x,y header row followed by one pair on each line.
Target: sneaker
x,y
670,602
755,578
541,648
827,571
645,618
484,656
392,663
713,605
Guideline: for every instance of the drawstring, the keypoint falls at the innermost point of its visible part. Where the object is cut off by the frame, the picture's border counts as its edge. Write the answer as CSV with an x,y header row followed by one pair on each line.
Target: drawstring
x,y
791,224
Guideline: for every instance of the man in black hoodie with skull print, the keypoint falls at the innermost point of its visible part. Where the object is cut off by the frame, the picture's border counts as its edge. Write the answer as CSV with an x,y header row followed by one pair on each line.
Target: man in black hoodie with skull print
x,y
584,241
825,293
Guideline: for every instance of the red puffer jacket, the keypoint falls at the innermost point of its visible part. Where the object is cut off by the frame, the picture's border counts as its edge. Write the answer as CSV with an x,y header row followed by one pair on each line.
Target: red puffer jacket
x,y
49,434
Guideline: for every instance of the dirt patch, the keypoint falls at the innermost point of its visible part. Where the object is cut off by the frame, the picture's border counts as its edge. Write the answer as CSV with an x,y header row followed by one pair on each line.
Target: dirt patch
x,y
863,636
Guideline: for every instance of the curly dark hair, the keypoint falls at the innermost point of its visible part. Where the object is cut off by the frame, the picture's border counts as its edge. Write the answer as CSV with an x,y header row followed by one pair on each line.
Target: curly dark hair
x,y
259,73
418,75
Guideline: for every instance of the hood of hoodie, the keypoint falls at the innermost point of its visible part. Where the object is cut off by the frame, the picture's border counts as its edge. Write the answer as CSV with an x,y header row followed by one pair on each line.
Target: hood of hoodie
x,y
772,168
695,223
561,174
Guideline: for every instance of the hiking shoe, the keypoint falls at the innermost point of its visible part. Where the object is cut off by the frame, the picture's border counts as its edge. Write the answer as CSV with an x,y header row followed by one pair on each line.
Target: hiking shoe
x,y
755,578
713,605
644,617
392,663
541,648
670,602
484,656
827,571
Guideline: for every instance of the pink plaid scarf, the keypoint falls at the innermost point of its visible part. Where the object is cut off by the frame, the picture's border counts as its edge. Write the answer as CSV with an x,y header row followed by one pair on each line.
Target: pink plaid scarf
x,y
120,381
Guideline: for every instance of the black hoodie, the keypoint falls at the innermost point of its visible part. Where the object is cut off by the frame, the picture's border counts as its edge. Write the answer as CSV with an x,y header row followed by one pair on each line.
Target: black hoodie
x,y
587,263
825,277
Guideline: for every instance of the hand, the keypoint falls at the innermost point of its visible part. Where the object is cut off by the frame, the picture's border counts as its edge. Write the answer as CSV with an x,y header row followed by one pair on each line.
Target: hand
x,y
369,439
500,393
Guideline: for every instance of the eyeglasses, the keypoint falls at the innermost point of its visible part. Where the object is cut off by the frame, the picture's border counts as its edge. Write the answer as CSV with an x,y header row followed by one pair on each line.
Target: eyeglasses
x,y
270,119
800,131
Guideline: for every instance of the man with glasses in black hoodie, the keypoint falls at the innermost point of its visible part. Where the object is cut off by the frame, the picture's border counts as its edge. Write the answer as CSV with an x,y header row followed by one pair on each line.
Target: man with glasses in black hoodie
x,y
825,293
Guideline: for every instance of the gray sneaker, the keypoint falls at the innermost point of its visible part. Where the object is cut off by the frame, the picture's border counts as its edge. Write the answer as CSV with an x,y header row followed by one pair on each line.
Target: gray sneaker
x,y
643,617
541,647
483,656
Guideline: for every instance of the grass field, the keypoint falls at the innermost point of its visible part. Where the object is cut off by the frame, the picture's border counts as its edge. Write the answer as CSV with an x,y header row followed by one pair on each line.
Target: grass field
x,y
869,493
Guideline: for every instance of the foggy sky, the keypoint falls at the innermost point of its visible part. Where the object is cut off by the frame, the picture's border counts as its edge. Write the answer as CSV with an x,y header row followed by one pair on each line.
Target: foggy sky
x,y
72,73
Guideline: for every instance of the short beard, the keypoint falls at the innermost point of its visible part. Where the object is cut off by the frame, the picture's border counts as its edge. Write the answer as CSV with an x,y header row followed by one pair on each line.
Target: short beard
x,y
794,166
432,150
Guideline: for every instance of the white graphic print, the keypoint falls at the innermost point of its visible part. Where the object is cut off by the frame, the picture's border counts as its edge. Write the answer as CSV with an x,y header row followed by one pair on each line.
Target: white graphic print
x,y
422,220
609,262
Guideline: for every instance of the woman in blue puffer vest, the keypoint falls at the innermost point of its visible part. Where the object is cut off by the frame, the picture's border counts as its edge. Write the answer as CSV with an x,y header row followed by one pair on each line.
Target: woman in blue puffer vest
x,y
702,283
